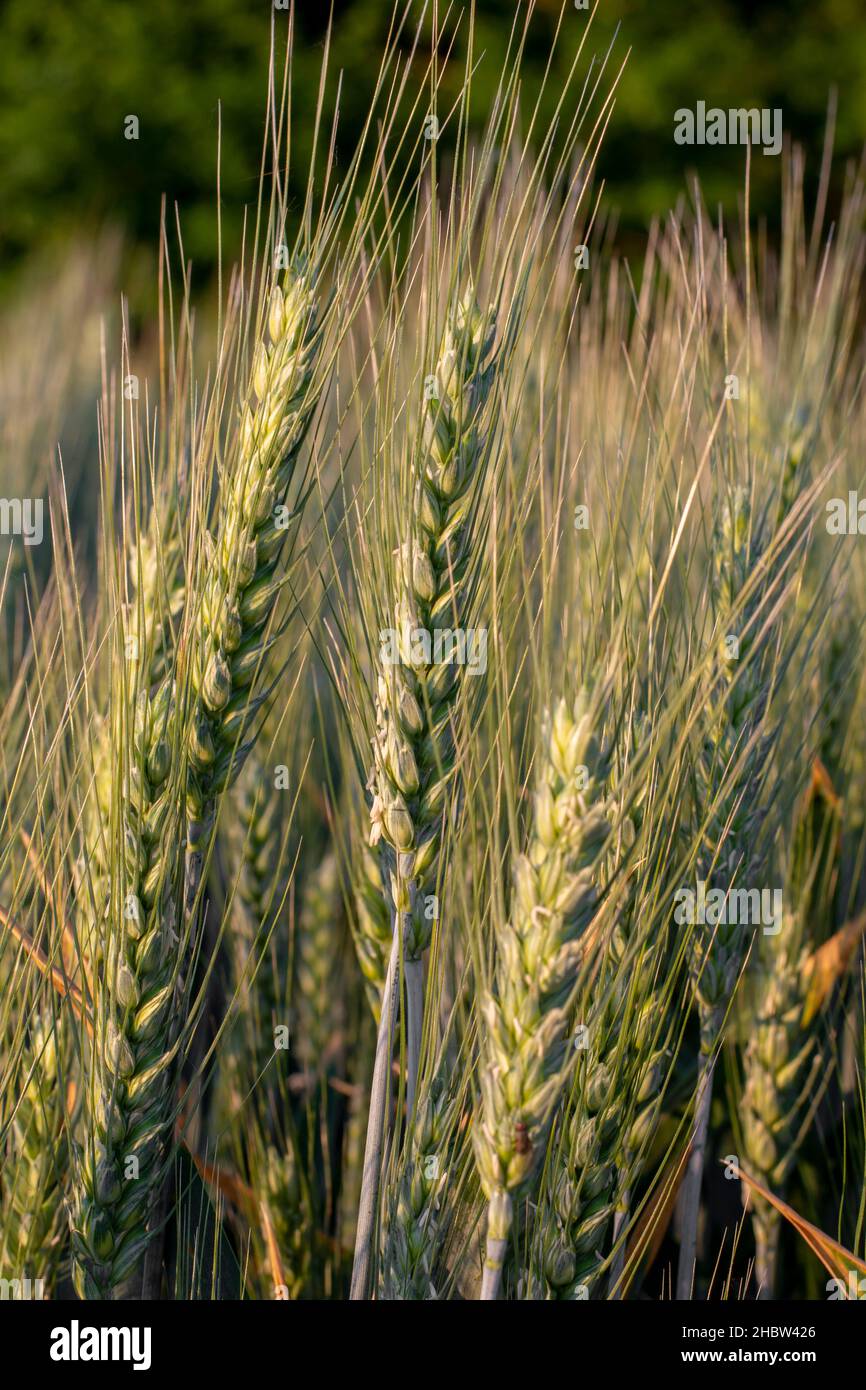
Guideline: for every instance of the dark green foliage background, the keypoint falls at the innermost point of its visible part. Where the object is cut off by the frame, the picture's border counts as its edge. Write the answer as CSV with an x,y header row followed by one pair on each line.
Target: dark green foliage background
x,y
71,70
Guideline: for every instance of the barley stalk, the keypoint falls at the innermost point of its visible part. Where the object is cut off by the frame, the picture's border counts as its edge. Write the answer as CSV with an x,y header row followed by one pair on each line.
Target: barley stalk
x,y
376,1122
355,1134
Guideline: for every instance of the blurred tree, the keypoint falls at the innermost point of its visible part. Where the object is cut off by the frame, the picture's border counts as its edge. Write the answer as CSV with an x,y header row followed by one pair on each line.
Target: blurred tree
x,y
70,75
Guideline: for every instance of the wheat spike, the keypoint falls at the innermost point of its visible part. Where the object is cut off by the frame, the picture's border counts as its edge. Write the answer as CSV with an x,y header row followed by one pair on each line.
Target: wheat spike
x,y
317,963
129,1078
244,580
34,1162
554,898
414,745
783,1054
731,767
413,1229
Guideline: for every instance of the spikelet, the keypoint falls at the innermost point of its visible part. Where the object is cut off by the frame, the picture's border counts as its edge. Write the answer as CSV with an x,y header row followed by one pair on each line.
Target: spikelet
x,y
371,925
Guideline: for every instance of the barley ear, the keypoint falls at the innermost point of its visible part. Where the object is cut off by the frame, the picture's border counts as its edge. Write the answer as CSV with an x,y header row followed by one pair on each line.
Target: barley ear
x,y
414,756
782,1058
731,768
317,964
525,1060
35,1158
243,582
130,1069
413,1229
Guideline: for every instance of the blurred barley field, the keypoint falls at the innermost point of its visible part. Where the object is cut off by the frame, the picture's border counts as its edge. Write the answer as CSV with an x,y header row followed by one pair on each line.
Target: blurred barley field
x,y
433,584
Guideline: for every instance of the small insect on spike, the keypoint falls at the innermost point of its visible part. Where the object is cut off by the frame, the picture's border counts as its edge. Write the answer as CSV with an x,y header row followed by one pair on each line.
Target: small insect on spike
x,y
522,1142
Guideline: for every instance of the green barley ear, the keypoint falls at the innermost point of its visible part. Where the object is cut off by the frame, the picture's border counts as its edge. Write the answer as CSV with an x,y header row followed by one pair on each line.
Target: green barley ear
x,y
158,595
418,690
731,769
243,580
130,1074
130,944
574,1235
539,951
258,948
613,1106
414,755
415,1227
842,666
585,1196
782,1058
283,1202
35,1159
318,952
733,758
252,1117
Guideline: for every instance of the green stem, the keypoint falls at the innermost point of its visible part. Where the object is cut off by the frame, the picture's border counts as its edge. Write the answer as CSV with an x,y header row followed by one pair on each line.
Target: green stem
x,y
499,1216
619,1221
767,1226
693,1180
376,1121
414,972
